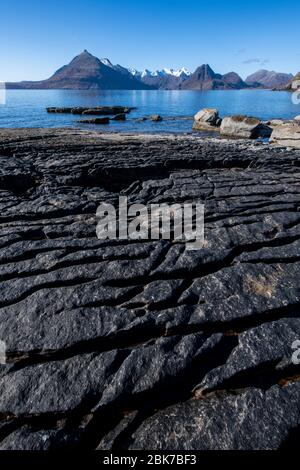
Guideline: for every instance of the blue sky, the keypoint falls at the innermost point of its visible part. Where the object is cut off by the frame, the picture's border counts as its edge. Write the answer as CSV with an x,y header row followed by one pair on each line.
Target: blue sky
x,y
37,37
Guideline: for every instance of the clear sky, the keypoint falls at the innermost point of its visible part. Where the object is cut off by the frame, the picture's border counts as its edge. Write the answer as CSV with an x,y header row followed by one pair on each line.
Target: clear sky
x,y
39,36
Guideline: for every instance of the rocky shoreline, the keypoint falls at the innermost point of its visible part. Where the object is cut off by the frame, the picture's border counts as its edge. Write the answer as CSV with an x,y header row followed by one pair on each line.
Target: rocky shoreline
x,y
279,131
142,344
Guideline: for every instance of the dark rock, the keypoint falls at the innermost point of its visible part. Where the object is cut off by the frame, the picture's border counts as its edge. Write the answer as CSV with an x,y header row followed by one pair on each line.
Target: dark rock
x,y
28,438
108,110
250,419
259,347
103,120
117,344
80,110
98,110
156,118
57,386
112,437
59,110
119,117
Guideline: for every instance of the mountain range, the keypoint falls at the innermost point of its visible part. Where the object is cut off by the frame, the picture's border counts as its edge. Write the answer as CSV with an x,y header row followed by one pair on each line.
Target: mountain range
x,y
86,71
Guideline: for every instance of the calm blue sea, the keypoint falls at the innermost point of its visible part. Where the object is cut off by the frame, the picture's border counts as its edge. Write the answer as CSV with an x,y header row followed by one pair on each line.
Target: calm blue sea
x,y
26,108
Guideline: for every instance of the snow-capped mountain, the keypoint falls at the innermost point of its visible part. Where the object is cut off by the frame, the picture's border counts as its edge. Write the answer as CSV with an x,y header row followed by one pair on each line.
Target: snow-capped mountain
x,y
164,78
177,73
107,62
160,73
146,73
134,72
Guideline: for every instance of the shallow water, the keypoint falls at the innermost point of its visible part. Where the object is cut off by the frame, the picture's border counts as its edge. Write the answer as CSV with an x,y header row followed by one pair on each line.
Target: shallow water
x,y
26,108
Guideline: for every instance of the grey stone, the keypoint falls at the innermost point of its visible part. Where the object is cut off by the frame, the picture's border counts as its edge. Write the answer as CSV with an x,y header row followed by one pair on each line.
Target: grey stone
x,y
248,420
206,119
30,439
244,127
287,135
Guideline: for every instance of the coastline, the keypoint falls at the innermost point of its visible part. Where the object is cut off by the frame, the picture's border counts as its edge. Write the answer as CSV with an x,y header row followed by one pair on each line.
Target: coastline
x,y
112,135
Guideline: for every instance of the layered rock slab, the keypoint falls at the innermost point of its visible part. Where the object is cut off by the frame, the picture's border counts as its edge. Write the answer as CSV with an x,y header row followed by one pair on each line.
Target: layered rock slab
x,y
141,344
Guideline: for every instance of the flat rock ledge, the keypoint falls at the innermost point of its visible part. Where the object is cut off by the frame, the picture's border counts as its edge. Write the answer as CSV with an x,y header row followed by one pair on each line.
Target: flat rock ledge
x,y
143,344
98,110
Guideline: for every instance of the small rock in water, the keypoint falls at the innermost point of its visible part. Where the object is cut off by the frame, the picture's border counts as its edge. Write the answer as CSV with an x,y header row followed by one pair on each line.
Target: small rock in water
x,y
156,118
59,110
97,110
119,117
103,120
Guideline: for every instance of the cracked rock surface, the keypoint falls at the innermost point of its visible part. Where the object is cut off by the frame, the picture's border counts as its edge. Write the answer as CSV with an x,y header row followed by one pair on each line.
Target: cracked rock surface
x,y
118,344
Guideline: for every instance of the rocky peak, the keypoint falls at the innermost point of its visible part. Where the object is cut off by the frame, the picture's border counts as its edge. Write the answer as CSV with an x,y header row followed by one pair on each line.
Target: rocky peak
x,y
204,72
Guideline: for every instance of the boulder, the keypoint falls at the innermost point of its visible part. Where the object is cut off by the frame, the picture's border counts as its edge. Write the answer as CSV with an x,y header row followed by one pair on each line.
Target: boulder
x,y
209,115
156,118
297,118
287,135
103,120
245,127
207,119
